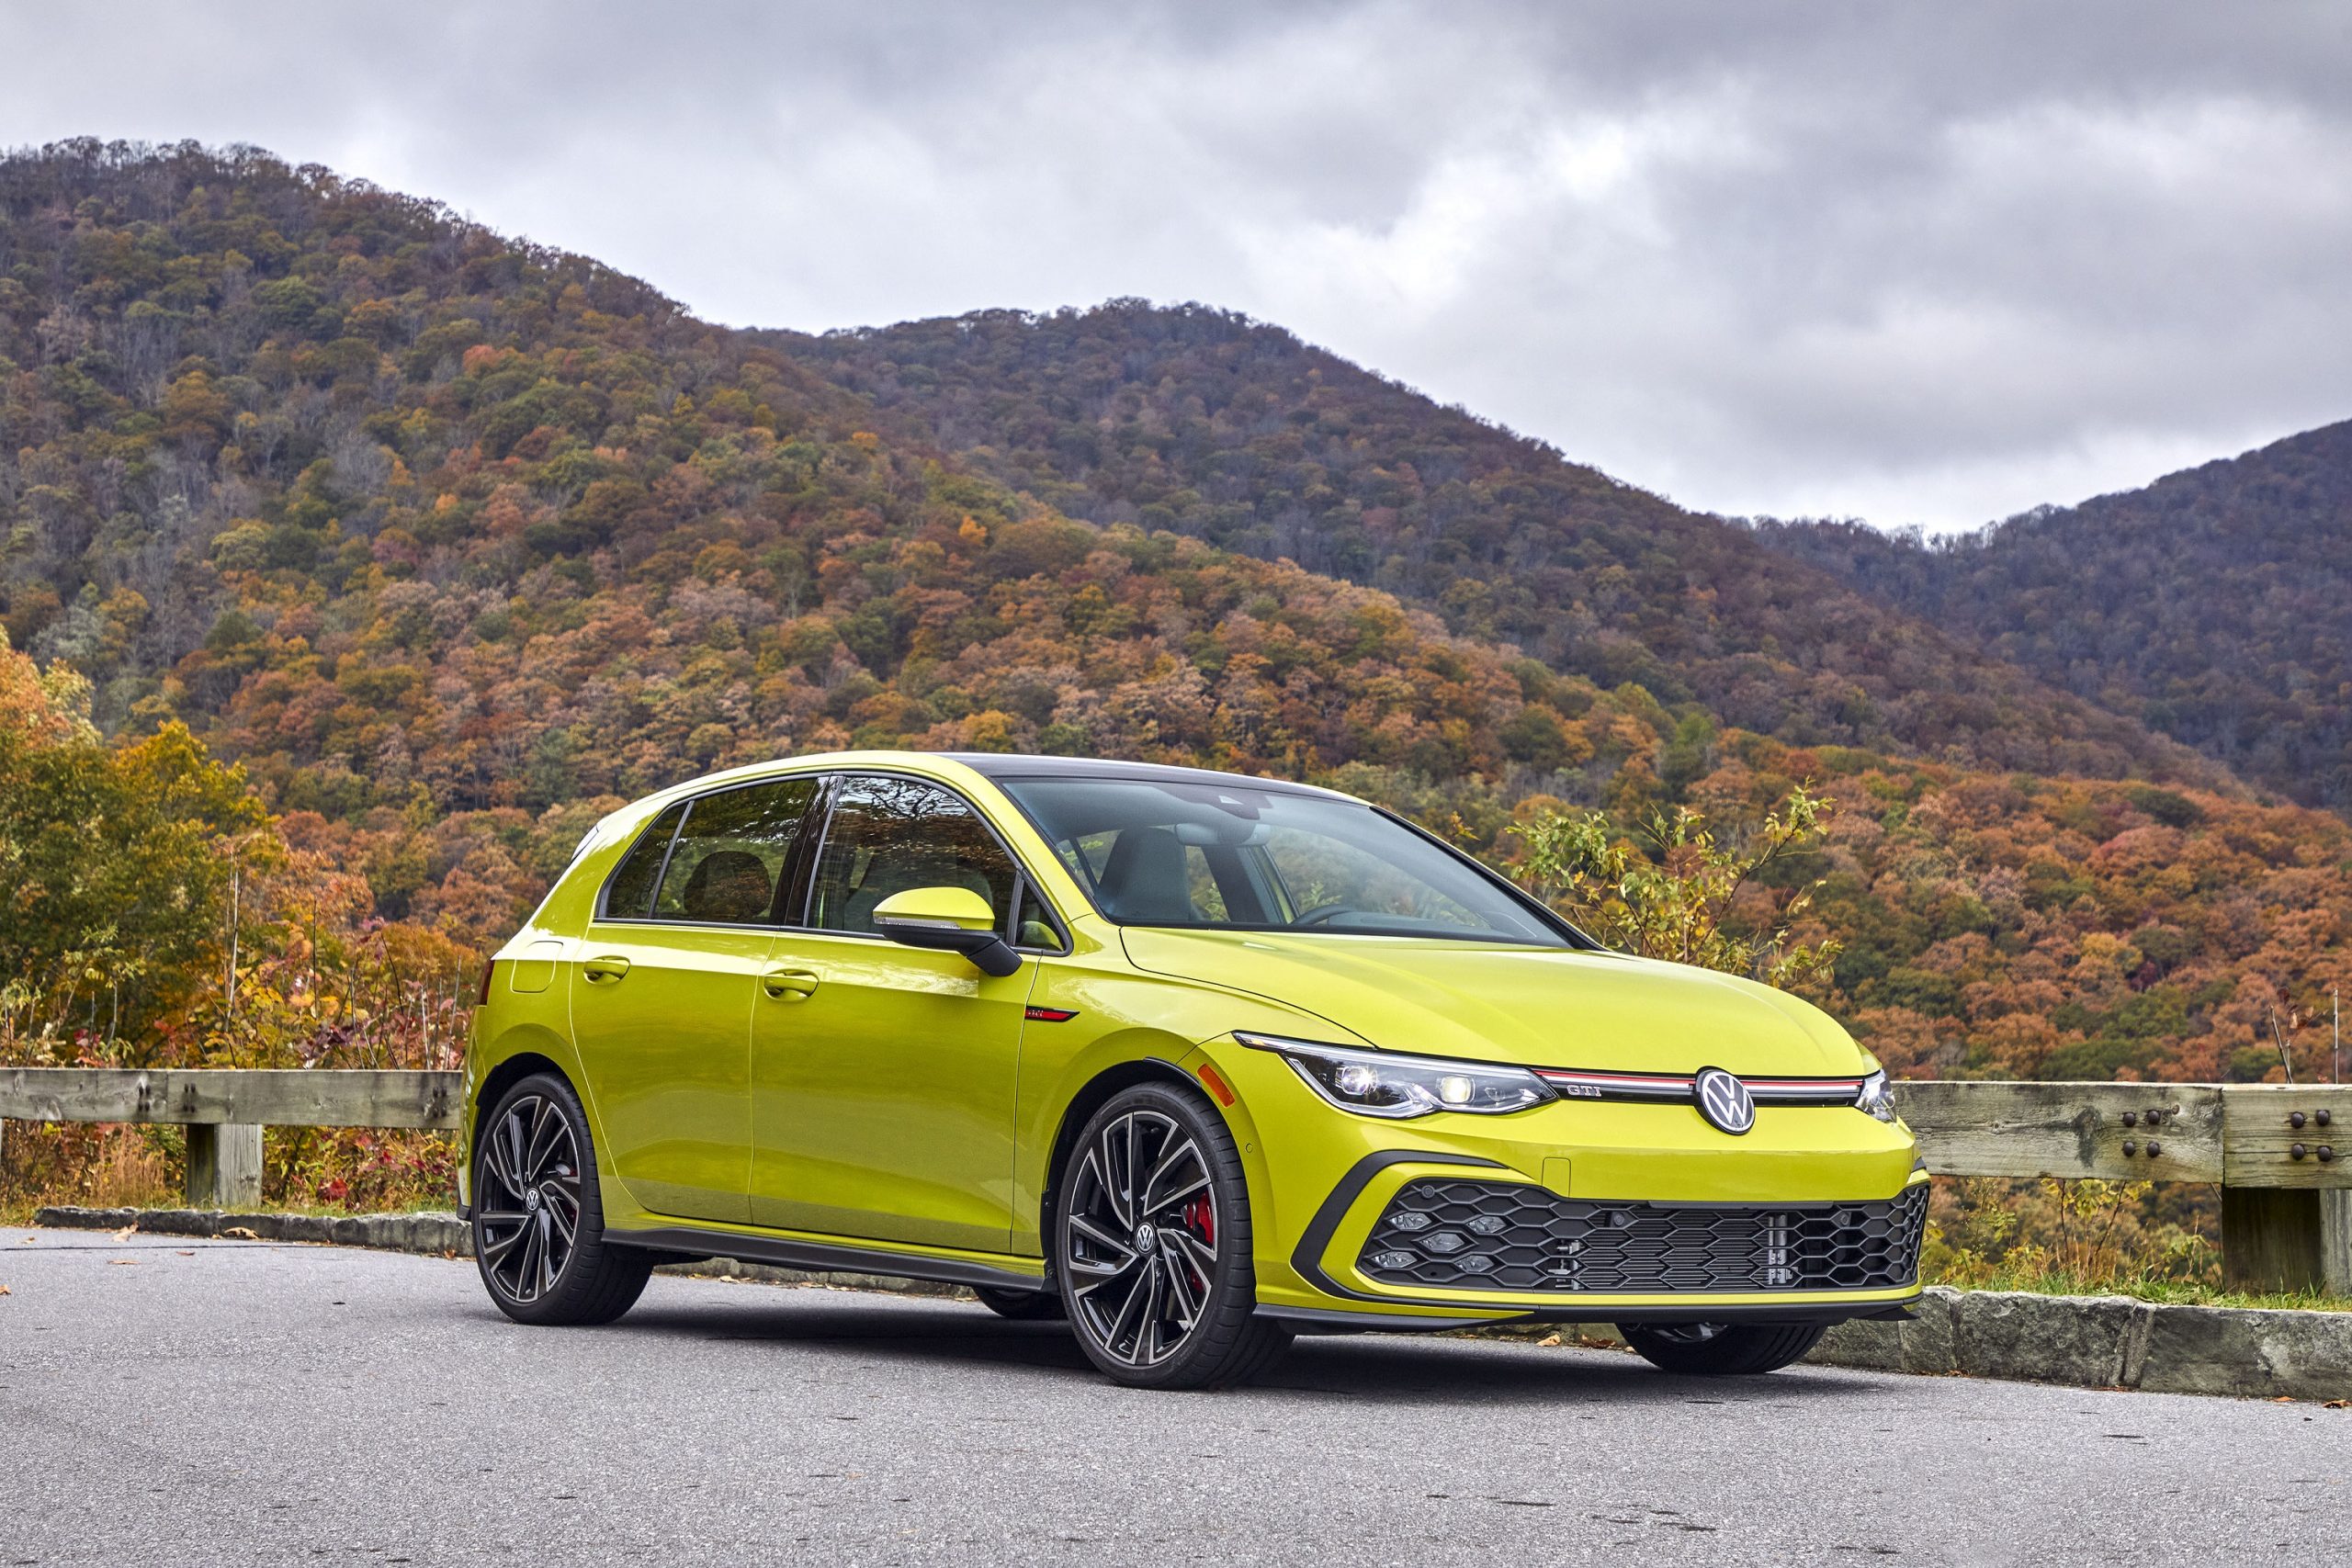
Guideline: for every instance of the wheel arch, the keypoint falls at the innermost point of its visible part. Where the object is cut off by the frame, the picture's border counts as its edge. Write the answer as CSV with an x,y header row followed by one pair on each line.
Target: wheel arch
x,y
1090,1097
507,1073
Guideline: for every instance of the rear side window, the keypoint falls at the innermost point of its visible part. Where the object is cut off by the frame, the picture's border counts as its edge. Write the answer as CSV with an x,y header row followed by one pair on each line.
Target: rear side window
x,y
887,835
732,854
631,892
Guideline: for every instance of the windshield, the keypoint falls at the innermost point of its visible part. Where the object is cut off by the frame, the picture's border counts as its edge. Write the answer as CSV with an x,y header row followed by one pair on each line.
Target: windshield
x,y
1229,856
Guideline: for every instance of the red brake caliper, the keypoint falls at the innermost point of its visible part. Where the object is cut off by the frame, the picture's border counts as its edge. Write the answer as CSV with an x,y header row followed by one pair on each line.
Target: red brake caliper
x,y
1201,1220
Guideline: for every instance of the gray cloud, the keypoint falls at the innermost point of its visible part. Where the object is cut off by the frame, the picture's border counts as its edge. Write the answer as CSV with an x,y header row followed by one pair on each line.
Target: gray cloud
x,y
1929,263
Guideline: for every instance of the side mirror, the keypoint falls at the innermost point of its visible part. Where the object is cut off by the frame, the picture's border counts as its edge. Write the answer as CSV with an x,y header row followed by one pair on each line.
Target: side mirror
x,y
947,919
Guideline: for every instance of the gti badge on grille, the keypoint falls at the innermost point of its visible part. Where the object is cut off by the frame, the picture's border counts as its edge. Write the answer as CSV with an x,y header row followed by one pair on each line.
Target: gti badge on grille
x,y
1724,1101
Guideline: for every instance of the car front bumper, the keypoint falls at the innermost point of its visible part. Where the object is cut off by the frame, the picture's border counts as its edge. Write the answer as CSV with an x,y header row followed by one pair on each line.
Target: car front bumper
x,y
1593,1212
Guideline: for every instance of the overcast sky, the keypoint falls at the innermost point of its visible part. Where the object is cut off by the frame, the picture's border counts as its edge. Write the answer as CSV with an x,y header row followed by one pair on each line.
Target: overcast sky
x,y
1930,265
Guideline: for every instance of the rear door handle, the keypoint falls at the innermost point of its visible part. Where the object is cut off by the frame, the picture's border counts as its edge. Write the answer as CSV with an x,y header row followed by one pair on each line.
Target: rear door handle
x,y
602,971
788,984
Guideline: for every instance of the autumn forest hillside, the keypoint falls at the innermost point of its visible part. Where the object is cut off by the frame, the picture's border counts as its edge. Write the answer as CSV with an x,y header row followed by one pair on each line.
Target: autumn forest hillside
x,y
1233,431
354,558
2214,605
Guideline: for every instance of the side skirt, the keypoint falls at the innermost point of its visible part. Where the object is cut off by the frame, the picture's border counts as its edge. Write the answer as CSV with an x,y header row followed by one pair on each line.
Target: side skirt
x,y
822,1258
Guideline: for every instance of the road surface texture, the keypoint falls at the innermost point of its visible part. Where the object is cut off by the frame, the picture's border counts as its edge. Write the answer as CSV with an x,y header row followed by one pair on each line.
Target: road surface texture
x,y
185,1402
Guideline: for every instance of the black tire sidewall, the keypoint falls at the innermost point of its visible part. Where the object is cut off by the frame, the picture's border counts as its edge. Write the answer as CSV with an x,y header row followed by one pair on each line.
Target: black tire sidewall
x,y
1736,1349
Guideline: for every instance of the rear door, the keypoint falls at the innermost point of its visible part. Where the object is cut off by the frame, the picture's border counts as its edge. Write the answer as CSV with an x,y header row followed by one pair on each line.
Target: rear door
x,y
662,992
882,1076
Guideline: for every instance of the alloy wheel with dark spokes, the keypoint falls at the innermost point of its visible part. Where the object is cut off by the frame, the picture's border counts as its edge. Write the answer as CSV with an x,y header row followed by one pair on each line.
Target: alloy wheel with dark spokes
x,y
530,1197
1140,1239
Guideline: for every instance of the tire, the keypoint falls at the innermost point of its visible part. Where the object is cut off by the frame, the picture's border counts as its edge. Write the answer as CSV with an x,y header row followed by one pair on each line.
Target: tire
x,y
1161,1294
1721,1350
1022,1306
534,1168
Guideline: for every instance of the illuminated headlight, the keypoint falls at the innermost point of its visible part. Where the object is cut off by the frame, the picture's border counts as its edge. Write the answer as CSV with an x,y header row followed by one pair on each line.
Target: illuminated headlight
x,y
1380,1083
1876,1099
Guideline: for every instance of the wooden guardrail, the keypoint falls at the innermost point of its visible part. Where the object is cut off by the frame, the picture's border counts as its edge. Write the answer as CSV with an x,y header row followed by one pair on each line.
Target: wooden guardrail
x,y
2283,1157
226,1108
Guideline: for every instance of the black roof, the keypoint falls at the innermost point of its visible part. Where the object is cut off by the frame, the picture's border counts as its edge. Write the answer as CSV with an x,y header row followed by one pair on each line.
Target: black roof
x,y
998,765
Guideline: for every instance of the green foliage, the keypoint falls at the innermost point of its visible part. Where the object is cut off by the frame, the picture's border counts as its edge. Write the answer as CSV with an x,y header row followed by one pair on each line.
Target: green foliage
x,y
115,865
2078,1237
1676,893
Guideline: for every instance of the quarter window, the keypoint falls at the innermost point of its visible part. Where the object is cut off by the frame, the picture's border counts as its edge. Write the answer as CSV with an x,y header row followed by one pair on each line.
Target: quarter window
x,y
732,854
887,835
631,893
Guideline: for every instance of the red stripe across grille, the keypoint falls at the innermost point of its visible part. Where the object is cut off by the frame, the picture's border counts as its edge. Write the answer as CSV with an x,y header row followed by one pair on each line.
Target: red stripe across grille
x,y
1677,1086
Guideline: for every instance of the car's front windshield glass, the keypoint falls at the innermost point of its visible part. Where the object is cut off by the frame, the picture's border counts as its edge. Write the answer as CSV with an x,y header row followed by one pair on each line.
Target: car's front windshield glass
x,y
1231,856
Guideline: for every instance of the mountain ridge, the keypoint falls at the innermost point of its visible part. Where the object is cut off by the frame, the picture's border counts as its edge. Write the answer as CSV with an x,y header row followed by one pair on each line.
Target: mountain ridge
x,y
1239,433
2214,605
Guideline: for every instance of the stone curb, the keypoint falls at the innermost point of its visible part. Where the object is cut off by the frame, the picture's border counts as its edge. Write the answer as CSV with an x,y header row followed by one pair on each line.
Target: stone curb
x,y
2108,1342
2081,1341
438,1235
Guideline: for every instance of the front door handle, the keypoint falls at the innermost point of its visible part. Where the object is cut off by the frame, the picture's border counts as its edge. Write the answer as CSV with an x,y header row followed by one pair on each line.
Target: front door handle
x,y
604,970
788,984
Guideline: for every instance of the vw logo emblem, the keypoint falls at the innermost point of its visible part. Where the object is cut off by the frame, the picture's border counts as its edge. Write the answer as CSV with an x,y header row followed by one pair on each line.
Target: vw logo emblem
x,y
1724,1101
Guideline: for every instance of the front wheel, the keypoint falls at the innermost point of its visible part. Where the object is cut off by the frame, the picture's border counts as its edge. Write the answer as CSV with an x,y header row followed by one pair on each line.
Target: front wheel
x,y
1721,1350
539,1218
1151,1231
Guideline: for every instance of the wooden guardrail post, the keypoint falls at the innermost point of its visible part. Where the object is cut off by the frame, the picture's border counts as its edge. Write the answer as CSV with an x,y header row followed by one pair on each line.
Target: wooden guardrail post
x,y
2287,1188
223,1165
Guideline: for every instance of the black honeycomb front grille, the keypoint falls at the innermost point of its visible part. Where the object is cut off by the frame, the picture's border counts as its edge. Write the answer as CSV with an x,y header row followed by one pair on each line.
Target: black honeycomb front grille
x,y
1512,1237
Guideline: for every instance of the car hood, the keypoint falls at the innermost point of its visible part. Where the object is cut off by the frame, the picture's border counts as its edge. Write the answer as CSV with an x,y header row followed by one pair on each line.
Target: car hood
x,y
1602,1012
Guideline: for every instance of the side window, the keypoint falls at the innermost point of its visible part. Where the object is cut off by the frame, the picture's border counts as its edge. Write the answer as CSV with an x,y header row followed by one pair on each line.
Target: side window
x,y
887,835
732,852
630,894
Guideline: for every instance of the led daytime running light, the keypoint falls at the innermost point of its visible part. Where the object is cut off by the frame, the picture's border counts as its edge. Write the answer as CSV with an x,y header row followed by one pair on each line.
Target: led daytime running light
x,y
1386,1084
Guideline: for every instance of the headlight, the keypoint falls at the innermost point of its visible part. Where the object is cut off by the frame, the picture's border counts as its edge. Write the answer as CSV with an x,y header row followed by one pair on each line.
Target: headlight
x,y
1876,1099
1380,1083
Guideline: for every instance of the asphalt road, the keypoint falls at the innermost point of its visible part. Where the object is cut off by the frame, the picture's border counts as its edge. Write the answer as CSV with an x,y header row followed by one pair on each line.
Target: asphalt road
x,y
184,1401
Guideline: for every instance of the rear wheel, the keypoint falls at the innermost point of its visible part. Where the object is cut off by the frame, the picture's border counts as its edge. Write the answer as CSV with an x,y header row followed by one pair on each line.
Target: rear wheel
x,y
538,1217
1721,1350
1152,1231
1021,1306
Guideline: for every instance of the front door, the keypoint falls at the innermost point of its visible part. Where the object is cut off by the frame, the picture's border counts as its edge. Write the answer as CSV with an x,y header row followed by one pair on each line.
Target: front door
x,y
662,989
882,1076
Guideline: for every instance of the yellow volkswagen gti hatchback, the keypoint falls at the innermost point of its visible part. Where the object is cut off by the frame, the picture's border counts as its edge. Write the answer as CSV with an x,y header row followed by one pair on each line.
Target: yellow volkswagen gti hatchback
x,y
1193,1060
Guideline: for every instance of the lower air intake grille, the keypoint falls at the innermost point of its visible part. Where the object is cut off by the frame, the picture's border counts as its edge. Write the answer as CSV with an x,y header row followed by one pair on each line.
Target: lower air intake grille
x,y
1516,1236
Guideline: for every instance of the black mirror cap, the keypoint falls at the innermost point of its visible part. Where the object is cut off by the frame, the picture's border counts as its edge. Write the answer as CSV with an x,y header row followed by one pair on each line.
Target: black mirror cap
x,y
987,950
